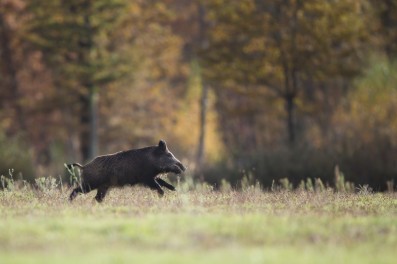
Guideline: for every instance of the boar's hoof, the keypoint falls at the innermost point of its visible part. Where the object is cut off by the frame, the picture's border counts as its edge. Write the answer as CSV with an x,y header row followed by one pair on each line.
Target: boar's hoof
x,y
160,192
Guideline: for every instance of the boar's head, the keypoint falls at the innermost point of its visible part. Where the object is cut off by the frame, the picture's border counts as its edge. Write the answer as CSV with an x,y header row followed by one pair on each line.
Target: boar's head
x,y
166,161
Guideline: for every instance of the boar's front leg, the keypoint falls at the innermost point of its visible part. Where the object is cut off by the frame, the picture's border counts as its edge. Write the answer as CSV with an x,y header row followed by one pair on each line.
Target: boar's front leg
x,y
101,193
75,192
152,184
165,184
83,188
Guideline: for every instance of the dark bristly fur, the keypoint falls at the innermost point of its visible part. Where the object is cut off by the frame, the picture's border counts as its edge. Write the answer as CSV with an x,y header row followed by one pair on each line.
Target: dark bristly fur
x,y
128,168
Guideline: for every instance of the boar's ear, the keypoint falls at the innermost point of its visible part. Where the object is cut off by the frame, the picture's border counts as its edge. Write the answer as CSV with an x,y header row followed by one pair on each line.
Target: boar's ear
x,y
162,145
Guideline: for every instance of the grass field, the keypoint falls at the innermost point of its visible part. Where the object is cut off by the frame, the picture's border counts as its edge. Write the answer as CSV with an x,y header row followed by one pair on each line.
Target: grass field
x,y
133,225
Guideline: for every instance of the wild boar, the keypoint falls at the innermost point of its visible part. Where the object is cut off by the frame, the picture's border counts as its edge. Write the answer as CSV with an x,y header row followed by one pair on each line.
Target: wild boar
x,y
128,168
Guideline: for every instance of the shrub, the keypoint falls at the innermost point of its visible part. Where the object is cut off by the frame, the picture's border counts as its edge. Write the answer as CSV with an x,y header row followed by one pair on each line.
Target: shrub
x,y
15,156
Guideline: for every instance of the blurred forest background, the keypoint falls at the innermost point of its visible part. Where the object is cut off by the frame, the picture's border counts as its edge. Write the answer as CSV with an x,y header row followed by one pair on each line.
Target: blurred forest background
x,y
264,89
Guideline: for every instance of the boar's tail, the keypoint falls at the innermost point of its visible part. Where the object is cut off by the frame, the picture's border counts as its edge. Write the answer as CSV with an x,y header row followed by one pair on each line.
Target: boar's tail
x,y
70,166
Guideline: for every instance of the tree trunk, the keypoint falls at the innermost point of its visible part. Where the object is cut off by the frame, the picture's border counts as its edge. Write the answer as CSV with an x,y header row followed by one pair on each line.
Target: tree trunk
x,y
289,107
11,73
203,124
88,99
88,125
93,124
386,17
85,127
200,42
289,98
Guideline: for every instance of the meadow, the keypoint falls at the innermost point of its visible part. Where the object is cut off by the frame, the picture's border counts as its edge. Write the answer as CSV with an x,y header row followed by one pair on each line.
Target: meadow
x,y
198,225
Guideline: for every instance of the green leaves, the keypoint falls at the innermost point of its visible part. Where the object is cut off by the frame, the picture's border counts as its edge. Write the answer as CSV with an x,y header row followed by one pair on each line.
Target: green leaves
x,y
75,37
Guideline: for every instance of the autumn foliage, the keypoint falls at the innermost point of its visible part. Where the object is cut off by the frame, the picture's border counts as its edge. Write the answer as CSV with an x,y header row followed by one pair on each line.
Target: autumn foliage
x,y
270,89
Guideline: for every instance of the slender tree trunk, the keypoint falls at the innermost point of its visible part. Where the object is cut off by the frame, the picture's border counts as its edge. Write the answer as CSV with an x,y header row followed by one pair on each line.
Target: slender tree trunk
x,y
204,90
11,73
388,24
88,125
93,124
289,107
292,76
88,99
203,124
85,134
289,98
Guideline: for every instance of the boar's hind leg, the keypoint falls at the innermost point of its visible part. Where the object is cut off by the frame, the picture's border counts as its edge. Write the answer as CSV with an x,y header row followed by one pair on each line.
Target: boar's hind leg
x,y
165,184
155,186
101,193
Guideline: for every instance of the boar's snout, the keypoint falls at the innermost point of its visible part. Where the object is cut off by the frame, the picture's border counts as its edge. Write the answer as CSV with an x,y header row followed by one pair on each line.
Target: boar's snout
x,y
177,167
180,166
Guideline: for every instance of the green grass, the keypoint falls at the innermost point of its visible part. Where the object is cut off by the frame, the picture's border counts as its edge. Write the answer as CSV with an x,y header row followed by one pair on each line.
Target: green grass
x,y
133,225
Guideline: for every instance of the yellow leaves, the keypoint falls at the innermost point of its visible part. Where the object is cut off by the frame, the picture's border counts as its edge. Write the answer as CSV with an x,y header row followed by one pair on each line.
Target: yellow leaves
x,y
246,6
134,9
220,34
370,108
256,44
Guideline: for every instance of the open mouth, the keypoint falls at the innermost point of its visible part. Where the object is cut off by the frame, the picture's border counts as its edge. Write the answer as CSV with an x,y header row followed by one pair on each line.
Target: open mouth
x,y
178,168
180,165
